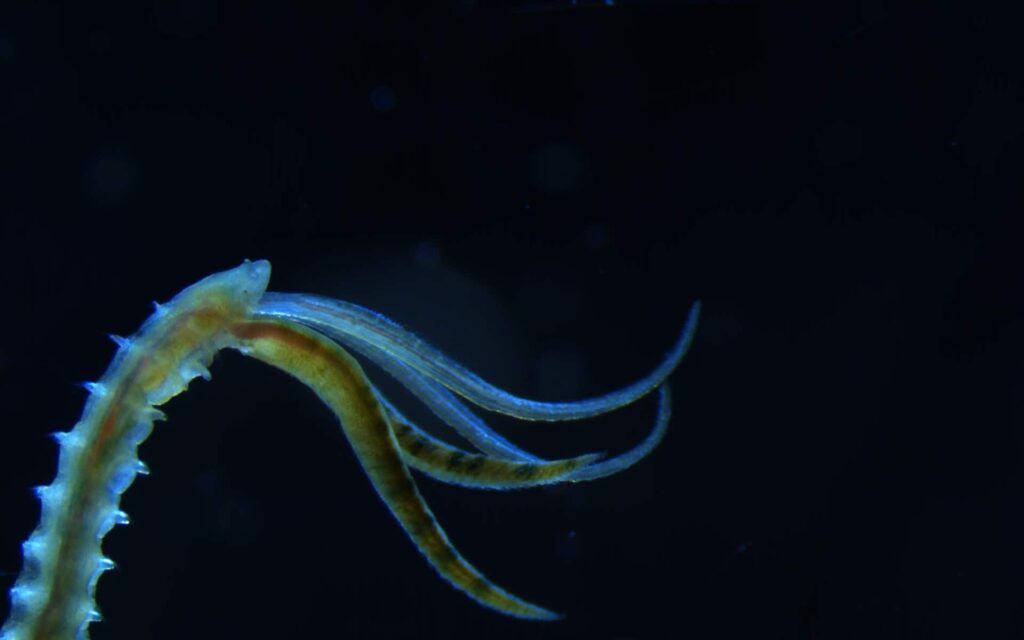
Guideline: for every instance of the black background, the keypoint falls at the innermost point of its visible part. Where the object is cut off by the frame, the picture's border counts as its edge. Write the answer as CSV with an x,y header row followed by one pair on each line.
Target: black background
x,y
542,191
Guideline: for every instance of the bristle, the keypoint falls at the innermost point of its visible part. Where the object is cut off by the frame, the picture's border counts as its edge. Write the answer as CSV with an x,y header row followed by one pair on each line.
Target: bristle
x,y
95,388
120,341
45,491
110,521
101,565
191,370
68,441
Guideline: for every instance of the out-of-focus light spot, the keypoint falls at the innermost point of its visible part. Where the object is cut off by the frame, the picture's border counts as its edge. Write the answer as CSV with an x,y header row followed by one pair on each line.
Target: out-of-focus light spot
x,y
597,236
556,168
568,546
428,254
383,99
110,178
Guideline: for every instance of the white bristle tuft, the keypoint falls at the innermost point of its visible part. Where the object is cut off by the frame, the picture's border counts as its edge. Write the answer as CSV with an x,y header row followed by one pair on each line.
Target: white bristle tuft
x,y
111,520
120,341
67,439
95,388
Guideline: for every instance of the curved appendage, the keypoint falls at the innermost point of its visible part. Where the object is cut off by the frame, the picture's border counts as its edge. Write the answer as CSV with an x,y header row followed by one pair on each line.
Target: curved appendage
x,y
447,463
629,458
359,324
339,381
434,457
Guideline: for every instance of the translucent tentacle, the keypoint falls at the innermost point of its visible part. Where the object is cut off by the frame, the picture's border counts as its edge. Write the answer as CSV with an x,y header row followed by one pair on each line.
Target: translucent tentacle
x,y
636,454
386,335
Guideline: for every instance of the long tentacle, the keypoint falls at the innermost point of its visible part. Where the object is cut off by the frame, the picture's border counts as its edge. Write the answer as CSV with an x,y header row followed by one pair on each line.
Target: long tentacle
x,y
450,464
636,454
339,381
377,330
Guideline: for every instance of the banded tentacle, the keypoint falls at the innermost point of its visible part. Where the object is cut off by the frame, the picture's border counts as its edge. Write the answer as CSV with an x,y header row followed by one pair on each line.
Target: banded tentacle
x,y
453,465
434,457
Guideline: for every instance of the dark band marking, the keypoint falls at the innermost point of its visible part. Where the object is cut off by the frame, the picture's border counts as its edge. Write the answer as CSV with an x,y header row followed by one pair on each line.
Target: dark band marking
x,y
526,470
475,464
455,460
